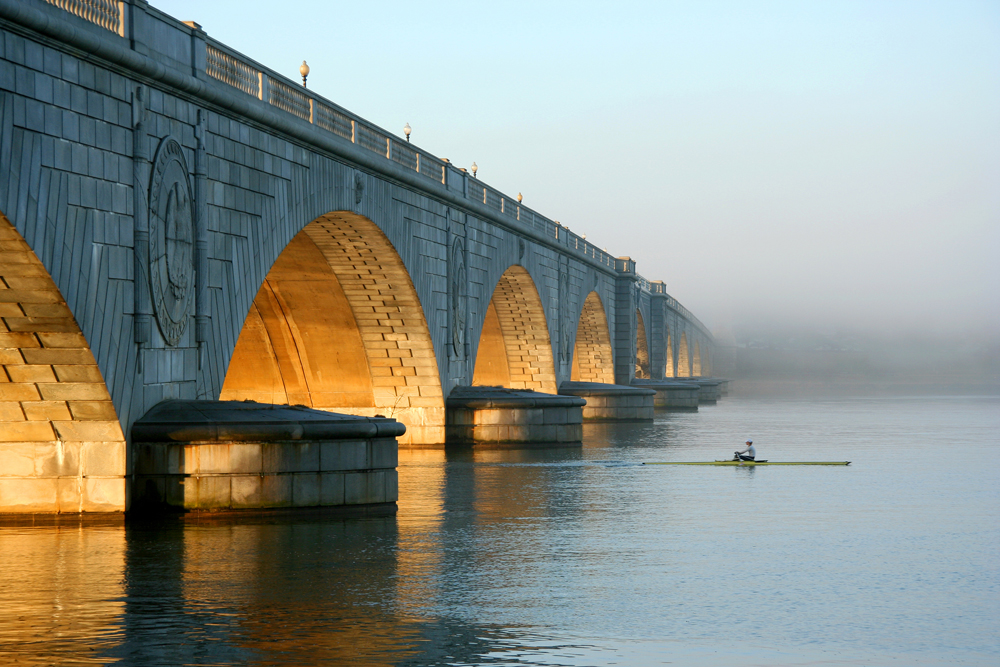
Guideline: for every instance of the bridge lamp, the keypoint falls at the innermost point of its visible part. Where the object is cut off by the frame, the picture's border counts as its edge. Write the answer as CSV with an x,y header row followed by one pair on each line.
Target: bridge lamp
x,y
475,168
406,131
304,71
519,198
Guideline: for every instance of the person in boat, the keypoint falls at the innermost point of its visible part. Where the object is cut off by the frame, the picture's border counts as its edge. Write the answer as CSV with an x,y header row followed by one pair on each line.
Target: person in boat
x,y
748,454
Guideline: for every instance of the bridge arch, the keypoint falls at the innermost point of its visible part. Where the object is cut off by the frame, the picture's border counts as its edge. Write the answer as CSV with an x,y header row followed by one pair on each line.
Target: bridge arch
x,y
592,352
514,348
683,357
61,444
696,360
337,325
641,348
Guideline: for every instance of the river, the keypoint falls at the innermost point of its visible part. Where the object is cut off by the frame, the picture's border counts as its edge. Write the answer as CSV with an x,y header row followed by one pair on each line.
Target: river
x,y
569,556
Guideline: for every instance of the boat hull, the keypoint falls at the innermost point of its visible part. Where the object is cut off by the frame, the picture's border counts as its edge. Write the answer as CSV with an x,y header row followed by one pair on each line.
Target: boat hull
x,y
748,463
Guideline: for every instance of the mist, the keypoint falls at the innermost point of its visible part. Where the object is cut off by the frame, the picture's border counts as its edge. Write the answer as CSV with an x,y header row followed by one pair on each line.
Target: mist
x,y
790,170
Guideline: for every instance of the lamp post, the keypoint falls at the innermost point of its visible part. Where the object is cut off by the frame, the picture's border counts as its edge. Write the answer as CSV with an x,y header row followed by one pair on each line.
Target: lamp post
x,y
406,131
475,168
304,71
519,198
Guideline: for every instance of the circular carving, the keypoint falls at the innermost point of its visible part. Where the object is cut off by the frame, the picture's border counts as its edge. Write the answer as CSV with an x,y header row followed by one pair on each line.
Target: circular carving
x,y
171,240
458,286
520,250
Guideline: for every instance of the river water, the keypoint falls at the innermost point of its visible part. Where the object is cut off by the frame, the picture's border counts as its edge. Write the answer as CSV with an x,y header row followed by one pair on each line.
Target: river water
x,y
570,556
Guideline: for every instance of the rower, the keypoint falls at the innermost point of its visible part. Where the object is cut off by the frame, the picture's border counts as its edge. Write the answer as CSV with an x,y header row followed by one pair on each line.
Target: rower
x,y
748,454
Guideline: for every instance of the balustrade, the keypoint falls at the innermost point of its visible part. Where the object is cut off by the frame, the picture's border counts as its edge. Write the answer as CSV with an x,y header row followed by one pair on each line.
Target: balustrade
x,y
230,68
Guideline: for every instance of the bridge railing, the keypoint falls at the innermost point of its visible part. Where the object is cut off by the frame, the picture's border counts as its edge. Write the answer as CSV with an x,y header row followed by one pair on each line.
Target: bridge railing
x,y
109,14
251,78
659,287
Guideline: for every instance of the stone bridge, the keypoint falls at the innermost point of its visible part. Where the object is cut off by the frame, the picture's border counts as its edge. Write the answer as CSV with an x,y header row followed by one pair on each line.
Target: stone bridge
x,y
178,221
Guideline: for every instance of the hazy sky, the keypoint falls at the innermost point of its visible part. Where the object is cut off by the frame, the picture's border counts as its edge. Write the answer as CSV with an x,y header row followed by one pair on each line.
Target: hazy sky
x,y
824,163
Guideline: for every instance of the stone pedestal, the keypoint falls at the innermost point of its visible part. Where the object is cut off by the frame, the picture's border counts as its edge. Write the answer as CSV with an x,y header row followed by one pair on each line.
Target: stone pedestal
x,y
481,415
612,402
671,394
230,455
723,386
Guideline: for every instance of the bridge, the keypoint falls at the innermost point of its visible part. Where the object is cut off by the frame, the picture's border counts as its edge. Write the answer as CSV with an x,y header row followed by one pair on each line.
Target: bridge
x,y
179,222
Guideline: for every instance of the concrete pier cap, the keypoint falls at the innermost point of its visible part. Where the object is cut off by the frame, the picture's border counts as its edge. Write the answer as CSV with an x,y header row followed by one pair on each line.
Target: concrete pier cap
x,y
496,415
238,455
612,402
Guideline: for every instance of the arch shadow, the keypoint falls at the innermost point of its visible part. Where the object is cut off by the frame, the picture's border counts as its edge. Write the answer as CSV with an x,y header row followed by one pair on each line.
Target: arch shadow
x,y
641,348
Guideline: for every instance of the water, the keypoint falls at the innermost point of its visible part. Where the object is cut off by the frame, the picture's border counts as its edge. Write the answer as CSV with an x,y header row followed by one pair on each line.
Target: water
x,y
570,556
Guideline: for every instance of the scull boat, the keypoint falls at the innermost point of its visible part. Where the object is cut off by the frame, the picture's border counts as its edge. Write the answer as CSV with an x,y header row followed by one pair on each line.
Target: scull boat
x,y
764,462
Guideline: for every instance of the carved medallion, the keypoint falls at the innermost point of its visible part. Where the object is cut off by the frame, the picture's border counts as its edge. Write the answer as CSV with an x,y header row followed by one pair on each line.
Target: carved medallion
x,y
459,284
171,240
564,324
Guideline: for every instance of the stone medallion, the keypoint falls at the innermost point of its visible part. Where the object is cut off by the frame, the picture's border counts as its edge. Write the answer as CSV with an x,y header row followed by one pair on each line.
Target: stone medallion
x,y
171,240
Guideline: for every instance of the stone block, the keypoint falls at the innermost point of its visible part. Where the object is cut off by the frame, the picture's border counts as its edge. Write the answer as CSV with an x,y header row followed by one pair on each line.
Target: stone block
x,y
306,489
57,459
284,457
73,391
103,494
69,494
245,457
209,458
93,410
31,373
556,415
103,459
276,490
19,494
45,410
356,488
11,411
391,478
331,490
383,453
212,492
246,491
17,459
27,431
88,431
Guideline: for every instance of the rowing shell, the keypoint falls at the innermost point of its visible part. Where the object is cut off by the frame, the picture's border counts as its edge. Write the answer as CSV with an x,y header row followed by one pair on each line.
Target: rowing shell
x,y
748,463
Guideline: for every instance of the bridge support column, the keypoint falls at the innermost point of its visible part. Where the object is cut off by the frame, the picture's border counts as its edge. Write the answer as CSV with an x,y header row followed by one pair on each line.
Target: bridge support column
x,y
612,402
235,455
626,289
494,415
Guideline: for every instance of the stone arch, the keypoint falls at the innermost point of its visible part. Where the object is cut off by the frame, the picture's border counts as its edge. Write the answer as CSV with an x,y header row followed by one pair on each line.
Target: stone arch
x,y
514,348
641,348
337,325
683,359
671,370
706,361
592,353
696,360
61,444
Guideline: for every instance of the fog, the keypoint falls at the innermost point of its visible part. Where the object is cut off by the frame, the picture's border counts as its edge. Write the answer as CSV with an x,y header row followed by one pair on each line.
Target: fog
x,y
823,167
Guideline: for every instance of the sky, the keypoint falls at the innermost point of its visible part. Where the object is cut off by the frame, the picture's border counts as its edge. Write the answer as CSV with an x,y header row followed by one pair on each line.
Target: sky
x,y
833,165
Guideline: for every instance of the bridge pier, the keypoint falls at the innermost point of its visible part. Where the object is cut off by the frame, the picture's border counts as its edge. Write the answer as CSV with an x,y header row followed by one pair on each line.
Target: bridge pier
x,y
612,402
494,415
232,455
673,395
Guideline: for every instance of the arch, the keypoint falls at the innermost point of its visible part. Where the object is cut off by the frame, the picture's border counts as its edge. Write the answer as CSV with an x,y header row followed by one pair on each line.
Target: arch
x,y
706,361
592,353
61,444
671,370
696,360
337,325
683,360
514,348
641,348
